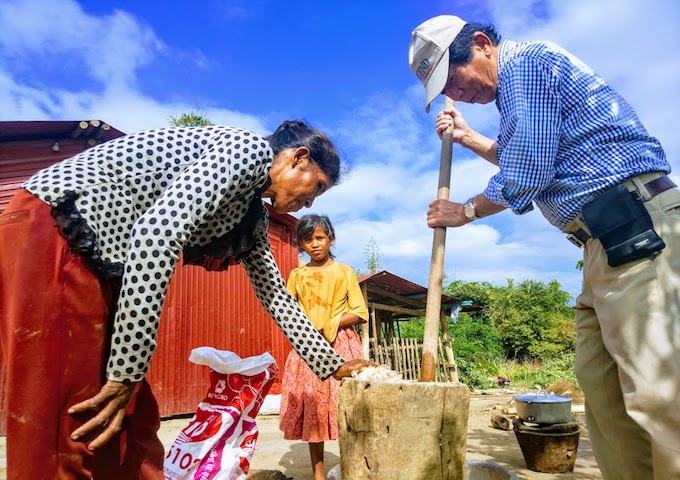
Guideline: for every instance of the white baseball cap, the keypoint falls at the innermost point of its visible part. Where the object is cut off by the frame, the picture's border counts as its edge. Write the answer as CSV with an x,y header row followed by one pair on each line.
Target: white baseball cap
x,y
428,53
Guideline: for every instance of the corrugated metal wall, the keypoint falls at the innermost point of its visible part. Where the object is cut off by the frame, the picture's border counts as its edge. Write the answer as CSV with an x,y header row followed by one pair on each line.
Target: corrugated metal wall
x,y
20,160
217,309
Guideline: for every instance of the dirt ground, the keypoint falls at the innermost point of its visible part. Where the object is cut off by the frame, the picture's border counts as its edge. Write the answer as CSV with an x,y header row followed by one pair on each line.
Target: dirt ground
x,y
483,443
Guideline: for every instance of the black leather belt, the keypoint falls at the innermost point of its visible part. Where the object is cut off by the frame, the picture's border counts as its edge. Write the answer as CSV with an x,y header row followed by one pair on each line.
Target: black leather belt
x,y
657,186
654,187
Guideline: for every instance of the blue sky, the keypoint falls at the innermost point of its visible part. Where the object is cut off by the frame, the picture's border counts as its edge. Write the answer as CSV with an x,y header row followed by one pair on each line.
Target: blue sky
x,y
343,67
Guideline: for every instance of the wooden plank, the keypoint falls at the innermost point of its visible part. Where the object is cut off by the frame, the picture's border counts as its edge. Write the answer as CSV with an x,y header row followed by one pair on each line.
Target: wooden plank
x,y
400,310
376,325
451,367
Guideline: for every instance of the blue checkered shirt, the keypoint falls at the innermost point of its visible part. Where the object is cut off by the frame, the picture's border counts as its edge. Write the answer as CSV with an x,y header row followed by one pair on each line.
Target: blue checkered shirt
x,y
565,134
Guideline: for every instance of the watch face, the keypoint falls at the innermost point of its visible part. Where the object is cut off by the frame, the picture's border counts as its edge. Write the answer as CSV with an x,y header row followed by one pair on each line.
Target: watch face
x,y
470,211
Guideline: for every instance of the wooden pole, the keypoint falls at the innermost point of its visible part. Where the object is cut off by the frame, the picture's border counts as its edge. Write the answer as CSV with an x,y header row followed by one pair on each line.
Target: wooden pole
x,y
376,324
434,287
452,368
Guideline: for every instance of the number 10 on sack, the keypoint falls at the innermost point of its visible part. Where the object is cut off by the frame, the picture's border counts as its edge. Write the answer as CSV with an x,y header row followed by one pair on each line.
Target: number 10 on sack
x,y
219,441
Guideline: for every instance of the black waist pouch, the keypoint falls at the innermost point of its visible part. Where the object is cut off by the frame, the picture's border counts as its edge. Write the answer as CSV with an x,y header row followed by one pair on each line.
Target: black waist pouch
x,y
623,225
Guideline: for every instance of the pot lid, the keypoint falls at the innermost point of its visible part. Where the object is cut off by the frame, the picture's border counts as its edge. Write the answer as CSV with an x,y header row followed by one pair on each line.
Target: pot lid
x,y
542,397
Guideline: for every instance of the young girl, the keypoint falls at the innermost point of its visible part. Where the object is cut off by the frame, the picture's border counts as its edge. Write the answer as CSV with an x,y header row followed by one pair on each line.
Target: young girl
x,y
331,297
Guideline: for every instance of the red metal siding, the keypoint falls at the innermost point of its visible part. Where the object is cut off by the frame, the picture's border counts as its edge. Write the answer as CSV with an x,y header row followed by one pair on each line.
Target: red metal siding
x,y
26,147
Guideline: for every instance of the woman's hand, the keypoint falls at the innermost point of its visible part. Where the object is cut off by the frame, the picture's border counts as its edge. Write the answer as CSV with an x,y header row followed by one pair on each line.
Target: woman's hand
x,y
451,116
355,365
111,402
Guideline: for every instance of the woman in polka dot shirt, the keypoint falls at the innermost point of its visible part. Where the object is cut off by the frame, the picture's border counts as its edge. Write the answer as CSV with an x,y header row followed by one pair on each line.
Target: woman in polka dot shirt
x,y
80,302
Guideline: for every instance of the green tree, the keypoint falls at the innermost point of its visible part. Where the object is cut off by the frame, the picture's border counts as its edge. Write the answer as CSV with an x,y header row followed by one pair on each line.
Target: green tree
x,y
533,319
480,293
191,119
372,258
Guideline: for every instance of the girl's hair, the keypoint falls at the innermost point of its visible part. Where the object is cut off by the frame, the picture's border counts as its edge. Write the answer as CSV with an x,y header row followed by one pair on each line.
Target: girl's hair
x,y
460,51
306,226
298,133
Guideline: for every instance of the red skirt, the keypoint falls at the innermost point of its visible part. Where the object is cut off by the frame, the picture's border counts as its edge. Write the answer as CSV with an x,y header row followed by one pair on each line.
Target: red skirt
x,y
309,407
55,321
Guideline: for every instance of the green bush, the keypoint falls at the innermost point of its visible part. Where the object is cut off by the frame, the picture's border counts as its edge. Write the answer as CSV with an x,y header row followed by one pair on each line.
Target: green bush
x,y
557,369
530,374
476,374
412,328
477,349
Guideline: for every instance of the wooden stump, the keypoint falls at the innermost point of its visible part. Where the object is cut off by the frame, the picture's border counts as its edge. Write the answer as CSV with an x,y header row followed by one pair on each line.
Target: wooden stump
x,y
402,430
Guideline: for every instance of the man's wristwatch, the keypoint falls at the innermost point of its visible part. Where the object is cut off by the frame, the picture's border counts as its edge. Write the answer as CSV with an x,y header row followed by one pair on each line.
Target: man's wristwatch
x,y
470,210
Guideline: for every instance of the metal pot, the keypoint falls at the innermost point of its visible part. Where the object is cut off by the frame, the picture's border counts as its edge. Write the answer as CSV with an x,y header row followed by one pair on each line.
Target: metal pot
x,y
540,407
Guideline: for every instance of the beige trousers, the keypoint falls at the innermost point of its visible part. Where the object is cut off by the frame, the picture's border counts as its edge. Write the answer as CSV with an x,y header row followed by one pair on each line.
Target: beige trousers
x,y
628,354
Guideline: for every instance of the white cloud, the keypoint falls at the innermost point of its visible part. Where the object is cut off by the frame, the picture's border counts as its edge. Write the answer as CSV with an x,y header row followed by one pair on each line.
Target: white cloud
x,y
57,33
108,49
125,109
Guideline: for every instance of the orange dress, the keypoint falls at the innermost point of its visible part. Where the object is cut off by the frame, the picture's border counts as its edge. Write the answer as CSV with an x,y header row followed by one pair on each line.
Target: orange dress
x,y
308,405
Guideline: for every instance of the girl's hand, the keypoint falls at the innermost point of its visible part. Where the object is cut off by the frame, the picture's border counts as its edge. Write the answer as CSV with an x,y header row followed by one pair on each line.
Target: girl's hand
x,y
355,365
111,402
451,116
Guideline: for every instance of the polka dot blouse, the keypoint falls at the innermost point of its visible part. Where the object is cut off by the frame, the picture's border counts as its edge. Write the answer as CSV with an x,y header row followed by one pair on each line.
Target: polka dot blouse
x,y
143,198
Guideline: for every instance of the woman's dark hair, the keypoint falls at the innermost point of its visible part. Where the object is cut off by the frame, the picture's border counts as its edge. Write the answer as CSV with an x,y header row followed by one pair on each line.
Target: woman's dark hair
x,y
460,51
298,133
306,226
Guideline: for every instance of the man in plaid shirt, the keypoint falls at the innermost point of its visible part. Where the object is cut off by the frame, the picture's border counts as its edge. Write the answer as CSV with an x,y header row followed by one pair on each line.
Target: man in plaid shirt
x,y
565,139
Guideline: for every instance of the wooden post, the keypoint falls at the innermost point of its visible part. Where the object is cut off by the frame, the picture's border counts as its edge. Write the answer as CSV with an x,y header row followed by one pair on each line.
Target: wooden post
x,y
376,324
434,287
451,366
79,129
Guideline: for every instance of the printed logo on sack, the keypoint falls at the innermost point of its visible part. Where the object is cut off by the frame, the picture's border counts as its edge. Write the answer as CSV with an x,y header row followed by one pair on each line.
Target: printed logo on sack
x,y
221,385
423,70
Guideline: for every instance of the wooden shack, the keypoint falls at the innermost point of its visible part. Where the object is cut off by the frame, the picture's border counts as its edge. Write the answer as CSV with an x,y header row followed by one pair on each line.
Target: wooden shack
x,y
390,300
